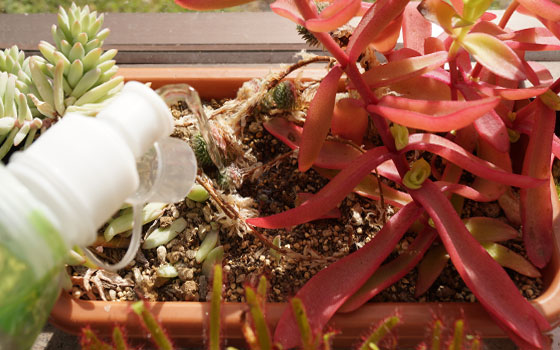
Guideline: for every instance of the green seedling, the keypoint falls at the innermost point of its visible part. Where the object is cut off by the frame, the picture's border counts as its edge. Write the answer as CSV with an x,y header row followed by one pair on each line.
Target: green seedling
x,y
274,253
167,271
158,335
215,310
123,222
259,323
380,332
198,194
209,242
214,257
118,339
162,236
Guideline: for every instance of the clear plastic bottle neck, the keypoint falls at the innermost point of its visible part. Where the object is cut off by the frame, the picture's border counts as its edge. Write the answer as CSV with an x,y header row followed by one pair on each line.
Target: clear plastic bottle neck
x,y
84,168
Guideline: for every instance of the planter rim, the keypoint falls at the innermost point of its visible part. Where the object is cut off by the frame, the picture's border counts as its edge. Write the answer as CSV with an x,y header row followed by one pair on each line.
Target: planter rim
x,y
184,321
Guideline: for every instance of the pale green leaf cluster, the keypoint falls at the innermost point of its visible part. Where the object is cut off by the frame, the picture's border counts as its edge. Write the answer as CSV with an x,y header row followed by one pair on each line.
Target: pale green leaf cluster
x,y
75,74
16,118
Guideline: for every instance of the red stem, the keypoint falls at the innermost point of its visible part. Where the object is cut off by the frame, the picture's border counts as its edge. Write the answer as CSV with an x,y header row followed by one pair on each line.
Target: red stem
x,y
508,13
380,123
454,77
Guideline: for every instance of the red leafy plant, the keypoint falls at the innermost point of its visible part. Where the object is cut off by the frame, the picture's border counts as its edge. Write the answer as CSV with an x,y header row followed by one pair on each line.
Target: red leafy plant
x,y
428,96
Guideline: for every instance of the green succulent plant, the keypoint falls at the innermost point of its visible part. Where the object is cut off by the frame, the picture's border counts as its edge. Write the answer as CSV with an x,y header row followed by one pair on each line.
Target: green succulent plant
x,y
16,116
75,74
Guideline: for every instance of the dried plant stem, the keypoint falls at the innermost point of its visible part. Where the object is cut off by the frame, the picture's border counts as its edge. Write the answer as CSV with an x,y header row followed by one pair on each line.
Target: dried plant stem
x,y
232,213
248,105
302,63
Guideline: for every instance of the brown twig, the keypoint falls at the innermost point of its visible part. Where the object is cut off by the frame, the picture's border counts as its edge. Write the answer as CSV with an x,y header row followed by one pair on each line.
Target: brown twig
x,y
272,83
232,213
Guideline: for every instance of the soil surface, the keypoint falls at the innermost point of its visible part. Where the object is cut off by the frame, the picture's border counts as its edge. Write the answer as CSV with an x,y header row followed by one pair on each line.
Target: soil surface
x,y
270,183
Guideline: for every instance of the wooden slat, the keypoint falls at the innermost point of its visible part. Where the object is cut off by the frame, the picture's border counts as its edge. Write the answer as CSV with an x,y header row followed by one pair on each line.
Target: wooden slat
x,y
195,38
172,38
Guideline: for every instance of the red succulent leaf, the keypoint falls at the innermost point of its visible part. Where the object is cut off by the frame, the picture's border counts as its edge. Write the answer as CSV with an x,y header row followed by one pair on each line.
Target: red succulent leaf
x,y
288,9
302,197
498,294
542,81
432,115
512,94
536,211
423,87
391,272
330,195
488,16
553,26
466,160
547,9
396,71
509,203
369,188
491,29
374,21
486,229
490,127
510,259
333,154
495,55
335,15
401,54
350,120
467,139
204,5
322,297
416,29
439,12
432,45
532,39
489,153
430,268
458,5
556,146
463,191
318,120
386,41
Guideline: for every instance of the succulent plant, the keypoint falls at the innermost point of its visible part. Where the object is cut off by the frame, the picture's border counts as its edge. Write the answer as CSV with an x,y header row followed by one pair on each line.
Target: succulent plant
x,y
16,117
200,149
75,74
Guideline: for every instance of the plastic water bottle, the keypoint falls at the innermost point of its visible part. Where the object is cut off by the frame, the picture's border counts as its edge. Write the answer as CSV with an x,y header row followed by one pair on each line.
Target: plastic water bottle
x,y
57,193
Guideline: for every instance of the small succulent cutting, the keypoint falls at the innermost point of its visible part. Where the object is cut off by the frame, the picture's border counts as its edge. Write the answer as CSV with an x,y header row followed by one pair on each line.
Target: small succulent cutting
x,y
75,74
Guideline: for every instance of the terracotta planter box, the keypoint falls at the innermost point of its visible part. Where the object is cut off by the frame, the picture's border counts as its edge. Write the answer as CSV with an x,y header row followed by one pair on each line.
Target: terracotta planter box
x,y
185,321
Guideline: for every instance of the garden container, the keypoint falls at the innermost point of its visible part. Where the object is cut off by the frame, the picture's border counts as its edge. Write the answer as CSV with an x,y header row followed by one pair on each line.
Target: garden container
x,y
185,322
